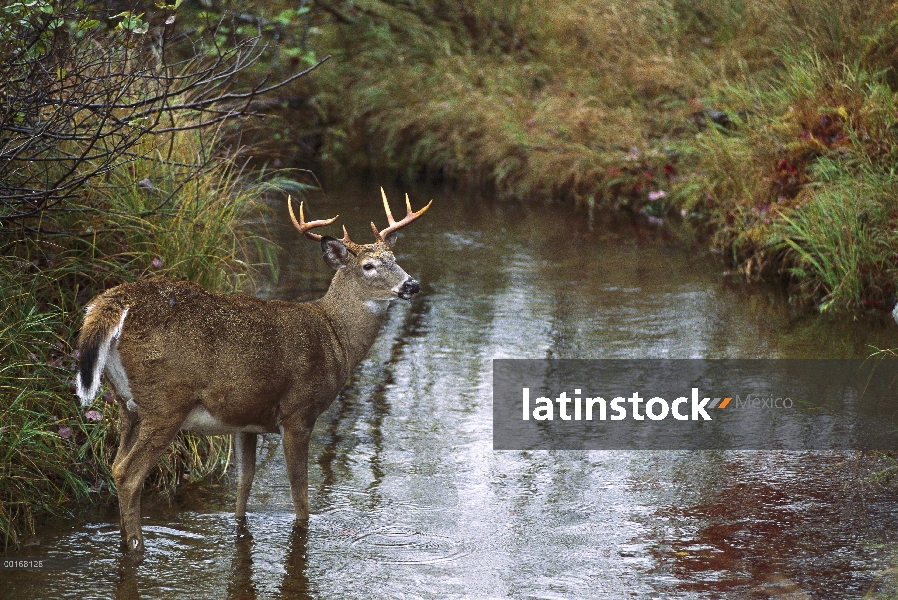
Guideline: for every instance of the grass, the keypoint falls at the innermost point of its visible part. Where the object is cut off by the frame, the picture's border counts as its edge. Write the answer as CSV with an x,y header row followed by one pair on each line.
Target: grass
x,y
767,126
804,188
755,123
764,124
180,215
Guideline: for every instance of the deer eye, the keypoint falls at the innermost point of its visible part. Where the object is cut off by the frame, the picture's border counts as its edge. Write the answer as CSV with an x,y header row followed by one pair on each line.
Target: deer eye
x,y
367,266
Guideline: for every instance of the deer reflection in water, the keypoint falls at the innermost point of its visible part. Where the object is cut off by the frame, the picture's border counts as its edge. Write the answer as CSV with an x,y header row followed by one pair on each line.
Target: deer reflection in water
x,y
295,584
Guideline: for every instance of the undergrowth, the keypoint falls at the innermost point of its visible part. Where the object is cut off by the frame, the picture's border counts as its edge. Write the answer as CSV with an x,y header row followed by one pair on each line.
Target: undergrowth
x,y
768,125
181,215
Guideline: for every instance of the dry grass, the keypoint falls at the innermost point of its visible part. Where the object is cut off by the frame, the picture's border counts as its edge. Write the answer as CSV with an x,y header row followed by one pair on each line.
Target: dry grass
x,y
740,113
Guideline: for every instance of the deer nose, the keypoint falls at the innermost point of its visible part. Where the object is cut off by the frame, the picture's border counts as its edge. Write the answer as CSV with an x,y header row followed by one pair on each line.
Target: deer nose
x,y
410,287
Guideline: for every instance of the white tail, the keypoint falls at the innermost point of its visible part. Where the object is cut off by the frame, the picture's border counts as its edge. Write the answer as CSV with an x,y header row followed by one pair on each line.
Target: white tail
x,y
87,382
179,357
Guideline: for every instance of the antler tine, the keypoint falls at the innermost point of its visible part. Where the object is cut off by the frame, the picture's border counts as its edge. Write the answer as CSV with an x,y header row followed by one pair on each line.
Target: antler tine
x,y
383,195
304,227
396,225
353,247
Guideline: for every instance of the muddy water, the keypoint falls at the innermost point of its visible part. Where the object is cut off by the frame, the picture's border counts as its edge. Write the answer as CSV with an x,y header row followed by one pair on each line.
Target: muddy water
x,y
410,501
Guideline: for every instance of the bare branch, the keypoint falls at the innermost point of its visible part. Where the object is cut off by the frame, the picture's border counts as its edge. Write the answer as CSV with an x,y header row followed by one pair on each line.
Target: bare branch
x,y
74,108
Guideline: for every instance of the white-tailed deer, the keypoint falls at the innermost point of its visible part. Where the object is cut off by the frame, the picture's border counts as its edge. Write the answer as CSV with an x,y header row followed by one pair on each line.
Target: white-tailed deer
x,y
179,357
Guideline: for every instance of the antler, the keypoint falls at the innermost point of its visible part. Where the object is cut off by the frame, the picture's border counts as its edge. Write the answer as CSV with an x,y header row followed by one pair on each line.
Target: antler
x,y
396,225
352,246
304,227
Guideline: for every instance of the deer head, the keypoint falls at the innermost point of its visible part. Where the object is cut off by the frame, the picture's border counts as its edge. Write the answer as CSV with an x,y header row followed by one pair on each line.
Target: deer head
x,y
371,267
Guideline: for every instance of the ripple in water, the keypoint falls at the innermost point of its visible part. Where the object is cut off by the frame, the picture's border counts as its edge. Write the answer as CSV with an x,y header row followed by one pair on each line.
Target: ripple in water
x,y
398,544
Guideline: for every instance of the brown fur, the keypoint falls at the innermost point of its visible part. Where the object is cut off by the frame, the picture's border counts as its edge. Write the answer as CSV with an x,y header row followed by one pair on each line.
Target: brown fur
x,y
253,365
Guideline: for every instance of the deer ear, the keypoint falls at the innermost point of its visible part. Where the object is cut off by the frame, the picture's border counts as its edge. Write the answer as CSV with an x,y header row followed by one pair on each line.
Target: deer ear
x,y
336,255
391,239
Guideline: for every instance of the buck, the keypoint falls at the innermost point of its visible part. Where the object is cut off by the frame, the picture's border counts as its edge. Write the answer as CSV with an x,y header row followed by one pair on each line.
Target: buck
x,y
181,358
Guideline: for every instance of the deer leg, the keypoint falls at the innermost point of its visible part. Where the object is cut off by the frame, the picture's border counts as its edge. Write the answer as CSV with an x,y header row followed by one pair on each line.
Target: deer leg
x,y
245,454
296,437
130,470
128,425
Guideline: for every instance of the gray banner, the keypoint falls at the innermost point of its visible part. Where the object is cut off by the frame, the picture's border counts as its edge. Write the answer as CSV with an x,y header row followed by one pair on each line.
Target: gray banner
x,y
695,404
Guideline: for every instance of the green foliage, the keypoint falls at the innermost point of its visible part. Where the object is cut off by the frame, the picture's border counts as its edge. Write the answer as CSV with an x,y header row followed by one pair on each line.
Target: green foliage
x,y
616,106
844,236
42,436
765,123
149,197
128,21
803,185
53,453
27,26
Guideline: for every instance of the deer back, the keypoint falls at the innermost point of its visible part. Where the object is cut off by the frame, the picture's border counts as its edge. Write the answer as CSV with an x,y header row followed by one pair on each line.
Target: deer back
x,y
242,358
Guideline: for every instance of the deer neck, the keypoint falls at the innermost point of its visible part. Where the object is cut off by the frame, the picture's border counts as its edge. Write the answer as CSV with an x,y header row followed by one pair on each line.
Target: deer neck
x,y
355,318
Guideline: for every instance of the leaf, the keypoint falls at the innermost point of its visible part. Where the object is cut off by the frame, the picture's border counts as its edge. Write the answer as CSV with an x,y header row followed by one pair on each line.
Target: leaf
x,y
310,58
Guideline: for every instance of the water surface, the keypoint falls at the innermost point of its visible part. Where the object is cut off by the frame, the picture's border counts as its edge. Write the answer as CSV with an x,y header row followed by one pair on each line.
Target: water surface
x,y
408,498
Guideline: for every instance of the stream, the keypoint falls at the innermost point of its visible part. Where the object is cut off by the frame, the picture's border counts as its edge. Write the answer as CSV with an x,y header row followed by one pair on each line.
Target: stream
x,y
408,498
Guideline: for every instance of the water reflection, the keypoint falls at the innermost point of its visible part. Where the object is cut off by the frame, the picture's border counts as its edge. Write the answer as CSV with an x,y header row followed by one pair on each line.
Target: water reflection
x,y
295,585
240,579
126,584
777,523
409,500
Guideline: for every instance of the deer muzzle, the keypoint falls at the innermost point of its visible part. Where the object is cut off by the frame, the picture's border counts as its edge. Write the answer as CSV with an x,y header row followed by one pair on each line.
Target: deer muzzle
x,y
409,288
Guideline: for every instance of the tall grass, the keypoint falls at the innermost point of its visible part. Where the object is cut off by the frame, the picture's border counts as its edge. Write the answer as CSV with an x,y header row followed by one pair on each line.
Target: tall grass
x,y
844,238
181,214
749,119
804,187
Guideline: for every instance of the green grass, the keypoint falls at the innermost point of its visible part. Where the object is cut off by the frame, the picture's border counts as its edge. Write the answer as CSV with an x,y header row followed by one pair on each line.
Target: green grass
x,y
843,238
604,104
54,454
803,188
